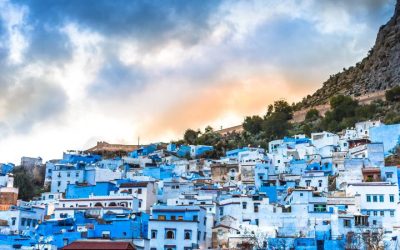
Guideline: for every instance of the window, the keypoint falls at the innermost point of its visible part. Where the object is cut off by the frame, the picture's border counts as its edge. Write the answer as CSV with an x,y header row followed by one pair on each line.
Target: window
x,y
301,194
59,183
308,183
368,213
381,198
375,213
391,198
161,217
346,223
244,205
198,235
382,213
188,234
375,198
170,247
23,221
256,222
319,208
256,207
221,211
13,219
205,220
153,234
139,191
204,236
374,222
170,234
180,217
173,217
77,174
391,213
195,218
368,198
389,175
320,183
68,174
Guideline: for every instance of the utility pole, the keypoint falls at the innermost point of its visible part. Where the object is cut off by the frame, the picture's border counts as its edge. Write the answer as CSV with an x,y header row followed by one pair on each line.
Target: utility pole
x,y
138,141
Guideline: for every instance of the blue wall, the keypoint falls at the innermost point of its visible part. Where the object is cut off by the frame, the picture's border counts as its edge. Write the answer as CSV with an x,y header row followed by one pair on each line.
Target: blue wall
x,y
389,135
101,188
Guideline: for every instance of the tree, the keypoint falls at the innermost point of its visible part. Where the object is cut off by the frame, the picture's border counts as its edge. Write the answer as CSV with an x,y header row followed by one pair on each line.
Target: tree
x,y
281,106
253,124
255,240
393,94
23,180
276,126
312,115
341,115
343,106
365,238
190,136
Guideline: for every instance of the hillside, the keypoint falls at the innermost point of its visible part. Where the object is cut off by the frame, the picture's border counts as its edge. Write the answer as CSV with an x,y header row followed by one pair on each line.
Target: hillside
x,y
380,70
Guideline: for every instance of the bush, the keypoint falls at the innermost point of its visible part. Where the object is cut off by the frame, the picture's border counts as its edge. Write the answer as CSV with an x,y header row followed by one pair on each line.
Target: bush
x,y
393,94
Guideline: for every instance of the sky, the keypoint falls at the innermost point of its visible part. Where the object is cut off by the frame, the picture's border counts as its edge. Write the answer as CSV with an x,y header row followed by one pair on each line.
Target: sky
x,y
76,72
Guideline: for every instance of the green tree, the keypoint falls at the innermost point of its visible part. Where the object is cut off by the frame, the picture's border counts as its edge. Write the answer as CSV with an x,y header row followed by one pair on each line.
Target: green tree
x,y
282,106
393,94
276,126
190,136
23,180
312,115
253,124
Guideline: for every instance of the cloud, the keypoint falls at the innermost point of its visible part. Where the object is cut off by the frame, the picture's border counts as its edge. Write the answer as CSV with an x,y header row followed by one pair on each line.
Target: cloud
x,y
150,22
72,71
32,101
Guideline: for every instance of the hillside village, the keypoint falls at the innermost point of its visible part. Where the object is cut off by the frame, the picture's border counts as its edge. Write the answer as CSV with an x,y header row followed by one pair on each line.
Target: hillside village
x,y
320,174
320,192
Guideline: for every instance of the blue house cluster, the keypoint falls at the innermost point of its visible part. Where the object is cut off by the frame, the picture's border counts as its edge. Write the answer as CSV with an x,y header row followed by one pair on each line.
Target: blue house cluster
x,y
326,191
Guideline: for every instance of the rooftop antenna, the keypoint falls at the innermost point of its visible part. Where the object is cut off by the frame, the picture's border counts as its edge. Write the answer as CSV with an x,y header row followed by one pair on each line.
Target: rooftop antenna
x,y
138,141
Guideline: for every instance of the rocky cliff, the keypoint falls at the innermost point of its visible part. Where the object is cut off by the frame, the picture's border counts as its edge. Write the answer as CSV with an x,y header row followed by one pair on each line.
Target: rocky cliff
x,y
380,70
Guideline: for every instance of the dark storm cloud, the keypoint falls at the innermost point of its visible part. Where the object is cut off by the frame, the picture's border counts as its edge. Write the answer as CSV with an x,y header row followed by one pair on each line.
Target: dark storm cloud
x,y
151,22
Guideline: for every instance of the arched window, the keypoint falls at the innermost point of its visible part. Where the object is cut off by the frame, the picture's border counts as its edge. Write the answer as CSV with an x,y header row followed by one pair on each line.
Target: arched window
x,y
98,204
188,234
170,234
112,204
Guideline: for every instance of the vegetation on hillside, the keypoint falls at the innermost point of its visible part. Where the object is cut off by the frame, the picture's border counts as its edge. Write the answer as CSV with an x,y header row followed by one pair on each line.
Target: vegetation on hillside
x,y
275,124
29,181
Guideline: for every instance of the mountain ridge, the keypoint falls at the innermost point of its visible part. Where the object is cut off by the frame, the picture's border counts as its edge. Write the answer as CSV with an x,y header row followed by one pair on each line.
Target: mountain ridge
x,y
379,70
